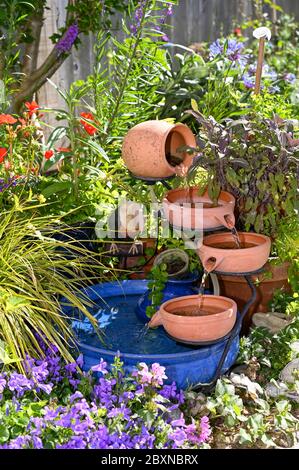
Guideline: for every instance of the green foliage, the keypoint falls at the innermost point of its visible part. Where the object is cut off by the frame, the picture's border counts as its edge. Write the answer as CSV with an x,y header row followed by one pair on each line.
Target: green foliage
x,y
256,159
244,417
158,277
273,352
286,247
36,271
136,66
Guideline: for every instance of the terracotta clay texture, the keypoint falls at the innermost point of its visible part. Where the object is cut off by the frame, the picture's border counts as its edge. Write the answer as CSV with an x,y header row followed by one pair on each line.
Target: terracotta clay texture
x,y
217,319
147,146
216,255
179,211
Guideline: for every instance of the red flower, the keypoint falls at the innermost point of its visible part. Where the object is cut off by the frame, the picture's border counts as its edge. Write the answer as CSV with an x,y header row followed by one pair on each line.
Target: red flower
x,y
31,107
48,154
90,129
3,152
7,119
238,32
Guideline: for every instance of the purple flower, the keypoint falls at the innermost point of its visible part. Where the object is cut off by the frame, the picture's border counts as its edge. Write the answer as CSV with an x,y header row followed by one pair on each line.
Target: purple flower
x,y
290,77
101,367
19,383
20,442
234,49
138,16
75,395
230,49
125,412
71,368
37,442
65,44
216,48
274,89
178,436
2,384
47,388
248,81
205,429
178,422
80,360
40,373
51,414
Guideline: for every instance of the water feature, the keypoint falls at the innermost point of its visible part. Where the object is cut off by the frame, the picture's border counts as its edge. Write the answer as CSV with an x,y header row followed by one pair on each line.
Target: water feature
x,y
185,364
236,237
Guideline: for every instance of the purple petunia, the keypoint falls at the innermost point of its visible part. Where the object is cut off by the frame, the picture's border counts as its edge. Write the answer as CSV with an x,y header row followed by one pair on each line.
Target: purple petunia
x,y
65,44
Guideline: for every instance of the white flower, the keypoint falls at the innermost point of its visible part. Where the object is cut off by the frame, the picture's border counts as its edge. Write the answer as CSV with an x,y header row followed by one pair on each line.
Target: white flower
x,y
262,32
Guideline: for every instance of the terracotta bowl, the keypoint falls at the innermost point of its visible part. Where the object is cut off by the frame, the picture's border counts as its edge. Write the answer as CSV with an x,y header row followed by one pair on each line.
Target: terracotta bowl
x,y
178,211
218,252
218,318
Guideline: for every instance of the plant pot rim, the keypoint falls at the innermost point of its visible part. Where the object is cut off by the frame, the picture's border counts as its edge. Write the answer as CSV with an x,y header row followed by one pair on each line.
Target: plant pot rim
x,y
211,299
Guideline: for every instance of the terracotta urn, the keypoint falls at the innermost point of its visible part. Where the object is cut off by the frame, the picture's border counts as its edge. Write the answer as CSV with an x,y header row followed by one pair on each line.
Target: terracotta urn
x,y
219,252
185,208
181,320
150,149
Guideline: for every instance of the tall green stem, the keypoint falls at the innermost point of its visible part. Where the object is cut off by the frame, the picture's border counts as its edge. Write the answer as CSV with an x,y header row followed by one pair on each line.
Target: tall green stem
x,y
128,71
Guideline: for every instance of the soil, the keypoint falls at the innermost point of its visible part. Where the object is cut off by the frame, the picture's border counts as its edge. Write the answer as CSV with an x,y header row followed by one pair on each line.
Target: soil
x,y
174,266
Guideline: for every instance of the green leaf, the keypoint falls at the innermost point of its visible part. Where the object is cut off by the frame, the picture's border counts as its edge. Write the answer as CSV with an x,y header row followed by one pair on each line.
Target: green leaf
x,y
57,134
56,188
244,436
4,434
194,106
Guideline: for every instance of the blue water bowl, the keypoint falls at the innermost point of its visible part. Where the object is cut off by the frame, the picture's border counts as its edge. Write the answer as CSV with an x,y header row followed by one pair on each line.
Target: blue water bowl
x,y
114,307
173,288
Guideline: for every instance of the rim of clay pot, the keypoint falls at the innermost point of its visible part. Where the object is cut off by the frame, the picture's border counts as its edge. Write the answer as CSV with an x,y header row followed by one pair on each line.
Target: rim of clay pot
x,y
227,197
208,299
227,236
187,134
175,253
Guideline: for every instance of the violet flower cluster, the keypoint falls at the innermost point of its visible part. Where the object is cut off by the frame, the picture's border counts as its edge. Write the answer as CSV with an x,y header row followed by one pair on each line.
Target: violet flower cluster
x,y
269,74
65,44
231,49
55,405
139,13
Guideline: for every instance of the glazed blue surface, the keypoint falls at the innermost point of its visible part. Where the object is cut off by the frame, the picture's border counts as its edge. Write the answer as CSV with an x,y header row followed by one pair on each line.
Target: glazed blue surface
x,y
115,305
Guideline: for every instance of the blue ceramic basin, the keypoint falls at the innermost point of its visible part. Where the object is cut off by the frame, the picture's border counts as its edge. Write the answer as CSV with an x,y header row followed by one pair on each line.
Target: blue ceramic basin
x,y
115,305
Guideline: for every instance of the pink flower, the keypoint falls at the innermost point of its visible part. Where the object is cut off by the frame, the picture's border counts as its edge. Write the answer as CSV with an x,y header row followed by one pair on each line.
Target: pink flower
x,y
101,367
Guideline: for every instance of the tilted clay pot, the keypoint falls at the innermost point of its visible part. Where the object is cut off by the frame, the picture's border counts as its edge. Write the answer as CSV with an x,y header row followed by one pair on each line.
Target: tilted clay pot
x,y
148,146
219,252
185,208
178,319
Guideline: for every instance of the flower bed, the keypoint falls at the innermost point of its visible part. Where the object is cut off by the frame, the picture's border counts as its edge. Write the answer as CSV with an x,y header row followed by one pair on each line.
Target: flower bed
x,y
54,405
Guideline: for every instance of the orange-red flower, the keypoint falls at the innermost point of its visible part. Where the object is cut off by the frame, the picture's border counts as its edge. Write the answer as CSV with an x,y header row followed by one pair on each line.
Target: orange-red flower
x,y
3,152
7,119
48,154
238,32
90,129
31,107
